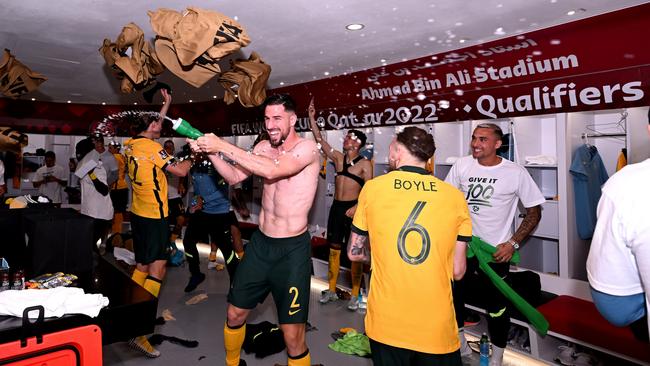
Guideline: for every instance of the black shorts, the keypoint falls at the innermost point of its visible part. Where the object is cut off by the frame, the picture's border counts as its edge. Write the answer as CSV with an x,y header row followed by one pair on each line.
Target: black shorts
x,y
150,238
232,219
338,223
281,266
120,199
385,355
176,208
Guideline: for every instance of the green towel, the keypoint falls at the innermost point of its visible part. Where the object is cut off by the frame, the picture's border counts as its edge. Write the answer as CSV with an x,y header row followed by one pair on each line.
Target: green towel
x,y
483,252
486,250
352,343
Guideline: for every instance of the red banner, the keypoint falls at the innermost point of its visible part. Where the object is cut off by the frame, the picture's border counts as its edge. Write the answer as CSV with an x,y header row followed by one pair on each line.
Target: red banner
x,y
601,62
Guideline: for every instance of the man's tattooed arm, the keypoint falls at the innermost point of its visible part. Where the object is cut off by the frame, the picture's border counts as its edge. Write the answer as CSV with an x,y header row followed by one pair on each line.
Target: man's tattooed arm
x,y
358,248
528,224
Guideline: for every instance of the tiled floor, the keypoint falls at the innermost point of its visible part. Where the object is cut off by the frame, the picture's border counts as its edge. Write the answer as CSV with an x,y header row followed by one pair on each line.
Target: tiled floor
x,y
204,321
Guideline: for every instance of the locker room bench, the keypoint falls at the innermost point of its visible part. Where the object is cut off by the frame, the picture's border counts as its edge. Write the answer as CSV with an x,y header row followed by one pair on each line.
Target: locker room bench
x,y
579,321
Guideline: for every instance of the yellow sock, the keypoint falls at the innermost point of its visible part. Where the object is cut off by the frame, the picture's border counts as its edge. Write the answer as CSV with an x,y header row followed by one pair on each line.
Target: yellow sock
x,y
357,271
118,218
240,255
139,277
334,265
302,360
233,339
152,285
212,257
173,237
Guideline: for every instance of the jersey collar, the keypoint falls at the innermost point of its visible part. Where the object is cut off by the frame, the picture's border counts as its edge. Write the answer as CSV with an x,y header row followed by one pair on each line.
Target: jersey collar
x,y
413,169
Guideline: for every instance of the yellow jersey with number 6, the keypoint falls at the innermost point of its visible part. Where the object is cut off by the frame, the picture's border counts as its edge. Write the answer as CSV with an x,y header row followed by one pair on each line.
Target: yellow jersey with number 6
x,y
413,221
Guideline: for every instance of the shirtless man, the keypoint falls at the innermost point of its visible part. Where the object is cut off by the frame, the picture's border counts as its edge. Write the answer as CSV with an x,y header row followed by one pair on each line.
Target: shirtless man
x,y
352,171
278,256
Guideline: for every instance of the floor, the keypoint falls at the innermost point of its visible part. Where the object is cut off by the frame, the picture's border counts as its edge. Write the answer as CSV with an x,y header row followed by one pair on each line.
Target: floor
x,y
204,321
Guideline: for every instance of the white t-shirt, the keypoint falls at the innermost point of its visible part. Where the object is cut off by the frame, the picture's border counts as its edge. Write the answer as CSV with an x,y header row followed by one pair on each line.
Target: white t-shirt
x,y
619,257
51,190
2,173
173,182
492,193
93,204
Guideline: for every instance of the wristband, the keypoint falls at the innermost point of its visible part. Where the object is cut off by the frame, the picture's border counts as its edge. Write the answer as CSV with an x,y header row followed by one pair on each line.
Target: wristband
x,y
514,244
92,175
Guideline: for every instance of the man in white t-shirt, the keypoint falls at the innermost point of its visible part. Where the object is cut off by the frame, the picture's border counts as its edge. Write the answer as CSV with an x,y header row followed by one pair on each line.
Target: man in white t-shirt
x,y
95,200
107,159
493,186
3,186
50,178
618,265
176,190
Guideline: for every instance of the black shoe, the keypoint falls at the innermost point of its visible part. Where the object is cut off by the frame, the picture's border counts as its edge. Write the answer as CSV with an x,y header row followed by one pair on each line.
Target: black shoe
x,y
242,362
195,280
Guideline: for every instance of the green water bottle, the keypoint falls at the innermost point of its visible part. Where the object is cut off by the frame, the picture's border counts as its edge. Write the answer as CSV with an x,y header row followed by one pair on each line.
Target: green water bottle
x,y
182,127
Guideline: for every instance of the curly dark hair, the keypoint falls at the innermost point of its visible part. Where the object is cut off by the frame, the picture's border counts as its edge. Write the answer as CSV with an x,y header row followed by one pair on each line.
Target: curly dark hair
x,y
418,142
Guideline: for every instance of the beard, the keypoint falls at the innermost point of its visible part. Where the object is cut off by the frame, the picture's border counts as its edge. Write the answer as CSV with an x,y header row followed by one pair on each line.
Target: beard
x,y
278,142
392,164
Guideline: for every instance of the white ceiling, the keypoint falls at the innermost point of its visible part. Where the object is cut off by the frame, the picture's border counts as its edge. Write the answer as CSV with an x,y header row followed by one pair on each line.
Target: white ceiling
x,y
302,40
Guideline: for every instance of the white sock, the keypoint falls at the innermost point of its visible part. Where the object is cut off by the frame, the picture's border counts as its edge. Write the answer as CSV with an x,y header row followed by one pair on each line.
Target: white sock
x,y
465,350
497,356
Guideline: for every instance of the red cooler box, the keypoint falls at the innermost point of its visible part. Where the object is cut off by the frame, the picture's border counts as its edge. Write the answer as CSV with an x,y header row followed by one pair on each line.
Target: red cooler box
x,y
71,347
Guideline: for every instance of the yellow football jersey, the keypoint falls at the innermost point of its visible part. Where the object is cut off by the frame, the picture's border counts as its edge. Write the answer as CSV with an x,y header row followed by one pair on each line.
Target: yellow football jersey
x,y
413,221
146,161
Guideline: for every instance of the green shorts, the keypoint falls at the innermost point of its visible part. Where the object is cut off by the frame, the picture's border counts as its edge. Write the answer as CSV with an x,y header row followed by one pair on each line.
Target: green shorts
x,y
150,238
281,266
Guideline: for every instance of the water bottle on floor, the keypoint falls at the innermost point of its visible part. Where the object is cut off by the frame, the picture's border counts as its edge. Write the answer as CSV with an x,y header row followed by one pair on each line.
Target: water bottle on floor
x,y
362,303
484,348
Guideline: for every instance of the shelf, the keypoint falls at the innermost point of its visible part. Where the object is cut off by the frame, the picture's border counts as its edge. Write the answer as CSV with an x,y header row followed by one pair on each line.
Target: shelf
x,y
541,166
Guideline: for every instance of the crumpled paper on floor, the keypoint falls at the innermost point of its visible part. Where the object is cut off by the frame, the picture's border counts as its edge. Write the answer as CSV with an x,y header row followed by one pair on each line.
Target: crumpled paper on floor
x,y
167,315
196,299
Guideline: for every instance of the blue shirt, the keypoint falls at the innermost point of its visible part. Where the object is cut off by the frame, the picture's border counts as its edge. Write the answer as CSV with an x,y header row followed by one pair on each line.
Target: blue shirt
x,y
589,175
213,189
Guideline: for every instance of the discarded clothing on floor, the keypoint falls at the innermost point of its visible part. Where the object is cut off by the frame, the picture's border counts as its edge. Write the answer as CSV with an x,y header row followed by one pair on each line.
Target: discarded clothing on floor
x,y
352,343
156,339
191,44
17,79
246,81
263,339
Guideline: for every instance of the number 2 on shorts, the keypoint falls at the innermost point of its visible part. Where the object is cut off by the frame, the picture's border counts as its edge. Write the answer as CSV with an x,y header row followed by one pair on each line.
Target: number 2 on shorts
x,y
294,304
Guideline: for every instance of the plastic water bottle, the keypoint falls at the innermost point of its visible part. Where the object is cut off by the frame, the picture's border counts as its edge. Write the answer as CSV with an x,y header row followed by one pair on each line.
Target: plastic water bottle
x,y
484,348
362,304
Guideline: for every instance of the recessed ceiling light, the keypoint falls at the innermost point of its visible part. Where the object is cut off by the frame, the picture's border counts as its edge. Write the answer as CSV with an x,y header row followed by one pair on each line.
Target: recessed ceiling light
x,y
190,100
214,97
463,40
326,73
354,26
282,83
135,103
103,103
571,12
33,99
69,101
